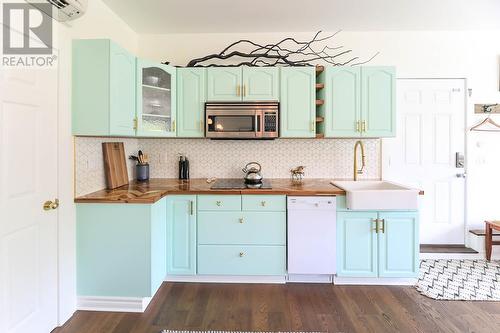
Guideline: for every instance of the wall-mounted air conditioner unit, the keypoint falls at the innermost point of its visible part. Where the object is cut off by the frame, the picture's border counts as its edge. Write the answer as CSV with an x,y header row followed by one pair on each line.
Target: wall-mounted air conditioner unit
x,y
61,10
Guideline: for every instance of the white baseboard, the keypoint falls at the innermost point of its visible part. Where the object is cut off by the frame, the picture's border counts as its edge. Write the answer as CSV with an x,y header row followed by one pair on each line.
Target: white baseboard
x,y
309,278
227,278
375,281
114,304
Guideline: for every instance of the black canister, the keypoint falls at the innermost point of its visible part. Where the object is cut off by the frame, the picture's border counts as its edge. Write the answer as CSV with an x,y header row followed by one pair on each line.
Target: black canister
x,y
142,171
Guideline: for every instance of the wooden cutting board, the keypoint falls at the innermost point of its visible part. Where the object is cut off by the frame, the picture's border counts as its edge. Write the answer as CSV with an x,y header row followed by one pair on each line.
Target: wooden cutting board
x,y
115,166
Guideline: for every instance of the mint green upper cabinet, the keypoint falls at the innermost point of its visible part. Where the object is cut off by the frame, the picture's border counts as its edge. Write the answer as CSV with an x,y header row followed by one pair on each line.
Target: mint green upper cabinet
x,y
103,89
399,245
298,102
342,108
191,96
356,244
378,101
224,84
181,235
156,99
260,84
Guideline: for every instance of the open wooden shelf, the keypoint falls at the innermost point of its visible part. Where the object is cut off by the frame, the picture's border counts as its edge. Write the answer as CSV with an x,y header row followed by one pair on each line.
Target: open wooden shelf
x,y
320,102
320,86
320,69
320,119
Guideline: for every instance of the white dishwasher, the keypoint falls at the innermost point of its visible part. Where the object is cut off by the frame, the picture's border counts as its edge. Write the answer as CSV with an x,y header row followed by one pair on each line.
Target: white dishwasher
x,y
311,238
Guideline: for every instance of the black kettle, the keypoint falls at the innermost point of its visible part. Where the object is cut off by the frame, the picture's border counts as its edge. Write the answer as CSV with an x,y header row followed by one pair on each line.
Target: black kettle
x,y
252,173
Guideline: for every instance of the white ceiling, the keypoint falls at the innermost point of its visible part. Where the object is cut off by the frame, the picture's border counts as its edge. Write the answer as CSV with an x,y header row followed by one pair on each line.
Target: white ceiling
x,y
225,16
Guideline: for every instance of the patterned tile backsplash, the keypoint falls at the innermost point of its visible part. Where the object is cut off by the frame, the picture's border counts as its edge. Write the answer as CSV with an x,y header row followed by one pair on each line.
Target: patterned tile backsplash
x,y
329,158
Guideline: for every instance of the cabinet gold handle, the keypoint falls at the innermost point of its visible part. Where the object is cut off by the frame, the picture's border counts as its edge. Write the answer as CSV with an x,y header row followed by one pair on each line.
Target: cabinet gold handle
x,y
244,90
238,90
358,129
312,126
376,229
363,126
50,205
218,203
173,125
383,226
201,125
241,220
191,208
242,254
263,203
135,123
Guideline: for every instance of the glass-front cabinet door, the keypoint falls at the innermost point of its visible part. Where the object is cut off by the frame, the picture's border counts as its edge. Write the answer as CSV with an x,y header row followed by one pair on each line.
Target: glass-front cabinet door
x,y
156,99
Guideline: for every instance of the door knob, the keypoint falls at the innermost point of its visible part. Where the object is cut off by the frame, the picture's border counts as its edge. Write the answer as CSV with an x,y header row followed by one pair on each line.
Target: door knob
x,y
49,205
461,175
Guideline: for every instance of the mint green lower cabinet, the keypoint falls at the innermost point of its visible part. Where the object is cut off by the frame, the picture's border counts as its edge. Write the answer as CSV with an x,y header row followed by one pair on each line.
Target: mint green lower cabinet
x,y
264,203
393,252
356,244
121,249
298,102
181,235
242,228
398,245
241,260
191,97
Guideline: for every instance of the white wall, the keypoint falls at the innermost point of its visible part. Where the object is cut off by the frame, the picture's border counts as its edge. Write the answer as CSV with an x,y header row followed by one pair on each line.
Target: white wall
x,y
98,22
473,55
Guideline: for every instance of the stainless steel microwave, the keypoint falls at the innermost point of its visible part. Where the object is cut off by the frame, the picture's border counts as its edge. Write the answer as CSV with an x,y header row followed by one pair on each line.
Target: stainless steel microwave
x,y
241,120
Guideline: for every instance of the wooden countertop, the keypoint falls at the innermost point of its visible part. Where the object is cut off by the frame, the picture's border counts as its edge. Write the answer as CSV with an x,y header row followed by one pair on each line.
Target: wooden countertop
x,y
157,188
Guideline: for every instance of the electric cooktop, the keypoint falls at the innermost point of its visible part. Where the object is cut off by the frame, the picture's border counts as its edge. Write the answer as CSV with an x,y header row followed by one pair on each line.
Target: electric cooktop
x,y
237,183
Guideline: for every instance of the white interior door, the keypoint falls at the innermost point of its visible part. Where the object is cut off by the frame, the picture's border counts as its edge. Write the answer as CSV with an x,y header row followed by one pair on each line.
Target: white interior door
x,y
28,177
430,131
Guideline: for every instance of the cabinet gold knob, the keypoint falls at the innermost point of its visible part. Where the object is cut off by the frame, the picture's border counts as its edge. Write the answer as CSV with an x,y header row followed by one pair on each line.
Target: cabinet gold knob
x,y
218,203
263,203
242,254
241,220
50,205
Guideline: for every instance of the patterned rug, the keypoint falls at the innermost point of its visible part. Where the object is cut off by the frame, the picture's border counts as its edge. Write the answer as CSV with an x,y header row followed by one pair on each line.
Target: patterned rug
x,y
465,280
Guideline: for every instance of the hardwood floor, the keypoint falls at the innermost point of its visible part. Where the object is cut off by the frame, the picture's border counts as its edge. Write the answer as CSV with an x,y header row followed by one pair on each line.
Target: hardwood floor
x,y
293,307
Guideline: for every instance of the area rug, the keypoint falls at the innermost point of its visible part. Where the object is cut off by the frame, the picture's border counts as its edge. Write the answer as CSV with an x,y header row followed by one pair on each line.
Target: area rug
x,y
465,280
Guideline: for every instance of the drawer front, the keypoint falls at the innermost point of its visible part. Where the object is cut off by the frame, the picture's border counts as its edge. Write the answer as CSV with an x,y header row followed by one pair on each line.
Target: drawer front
x,y
260,228
276,203
219,202
241,260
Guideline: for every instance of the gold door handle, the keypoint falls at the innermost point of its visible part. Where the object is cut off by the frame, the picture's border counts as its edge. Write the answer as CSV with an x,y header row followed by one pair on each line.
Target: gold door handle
x,y
244,90
238,88
242,254
263,203
201,125
191,207
358,128
312,126
376,229
241,220
173,125
49,205
135,123
383,225
218,203
363,126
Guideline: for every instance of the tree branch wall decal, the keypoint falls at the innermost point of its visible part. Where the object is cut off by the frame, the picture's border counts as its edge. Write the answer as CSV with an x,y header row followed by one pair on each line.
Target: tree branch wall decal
x,y
287,52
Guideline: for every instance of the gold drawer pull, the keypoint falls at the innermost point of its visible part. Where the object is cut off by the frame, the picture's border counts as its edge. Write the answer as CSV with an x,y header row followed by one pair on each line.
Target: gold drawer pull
x,y
363,126
376,229
383,225
263,203
218,203
242,254
241,220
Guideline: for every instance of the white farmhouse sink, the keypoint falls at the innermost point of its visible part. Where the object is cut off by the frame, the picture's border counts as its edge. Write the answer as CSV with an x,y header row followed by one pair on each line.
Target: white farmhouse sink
x,y
378,195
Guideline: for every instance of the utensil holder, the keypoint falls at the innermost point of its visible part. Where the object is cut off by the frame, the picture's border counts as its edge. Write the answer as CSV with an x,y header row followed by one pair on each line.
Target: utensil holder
x,y
142,172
